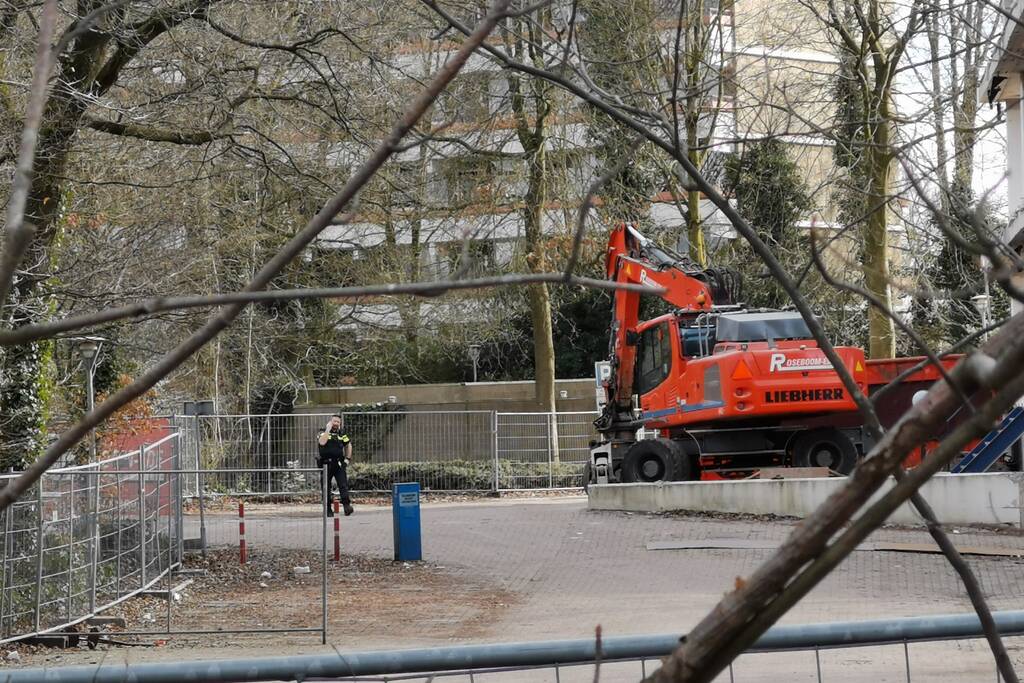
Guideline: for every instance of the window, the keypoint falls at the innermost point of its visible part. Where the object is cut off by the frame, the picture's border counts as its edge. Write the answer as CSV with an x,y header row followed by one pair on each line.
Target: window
x,y
467,179
404,183
727,81
468,100
478,257
654,358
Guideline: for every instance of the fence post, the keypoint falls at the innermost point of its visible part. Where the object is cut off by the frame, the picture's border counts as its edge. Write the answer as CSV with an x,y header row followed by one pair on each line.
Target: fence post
x,y
179,501
200,488
120,527
550,473
142,517
170,519
8,515
40,541
71,545
494,445
337,531
325,487
95,539
241,532
269,473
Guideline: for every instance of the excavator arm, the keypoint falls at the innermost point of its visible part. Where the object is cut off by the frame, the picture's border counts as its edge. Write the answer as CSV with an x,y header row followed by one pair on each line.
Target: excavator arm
x,y
634,259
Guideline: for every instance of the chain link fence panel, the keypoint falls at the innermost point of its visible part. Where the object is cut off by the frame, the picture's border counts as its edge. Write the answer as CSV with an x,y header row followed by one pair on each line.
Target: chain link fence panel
x,y
443,451
86,537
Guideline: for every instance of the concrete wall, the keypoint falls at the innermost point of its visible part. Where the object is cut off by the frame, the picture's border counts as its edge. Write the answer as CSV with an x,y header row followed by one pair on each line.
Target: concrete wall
x,y
455,421
957,498
509,397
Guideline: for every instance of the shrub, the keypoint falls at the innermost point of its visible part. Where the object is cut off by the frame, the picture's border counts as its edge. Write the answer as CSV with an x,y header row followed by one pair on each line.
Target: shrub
x,y
462,475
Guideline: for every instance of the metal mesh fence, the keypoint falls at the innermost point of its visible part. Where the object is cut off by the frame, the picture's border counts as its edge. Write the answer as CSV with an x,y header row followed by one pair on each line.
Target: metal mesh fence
x,y
542,450
443,451
86,537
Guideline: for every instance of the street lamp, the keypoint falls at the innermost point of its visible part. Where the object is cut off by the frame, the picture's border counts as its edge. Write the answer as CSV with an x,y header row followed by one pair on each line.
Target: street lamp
x,y
474,355
89,350
983,303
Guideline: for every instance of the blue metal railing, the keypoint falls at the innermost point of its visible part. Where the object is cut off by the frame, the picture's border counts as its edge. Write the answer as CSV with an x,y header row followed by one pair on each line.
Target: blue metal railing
x,y
994,444
518,656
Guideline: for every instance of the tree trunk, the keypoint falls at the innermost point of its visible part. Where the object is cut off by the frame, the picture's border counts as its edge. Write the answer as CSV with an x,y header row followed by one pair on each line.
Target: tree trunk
x,y
23,401
938,109
532,137
882,332
539,295
694,226
966,135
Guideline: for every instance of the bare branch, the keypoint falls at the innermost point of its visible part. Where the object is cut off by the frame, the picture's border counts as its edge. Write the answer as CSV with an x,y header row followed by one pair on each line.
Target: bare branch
x,y
30,333
154,134
586,205
18,231
877,303
830,558
695,659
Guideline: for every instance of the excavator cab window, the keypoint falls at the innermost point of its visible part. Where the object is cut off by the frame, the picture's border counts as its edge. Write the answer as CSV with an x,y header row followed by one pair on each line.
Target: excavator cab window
x,y
654,358
697,341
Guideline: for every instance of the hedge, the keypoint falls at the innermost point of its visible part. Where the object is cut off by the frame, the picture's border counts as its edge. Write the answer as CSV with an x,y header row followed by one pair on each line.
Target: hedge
x,y
463,475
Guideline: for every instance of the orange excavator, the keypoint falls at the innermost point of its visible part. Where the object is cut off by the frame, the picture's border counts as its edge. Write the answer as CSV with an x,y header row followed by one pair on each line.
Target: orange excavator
x,y
725,390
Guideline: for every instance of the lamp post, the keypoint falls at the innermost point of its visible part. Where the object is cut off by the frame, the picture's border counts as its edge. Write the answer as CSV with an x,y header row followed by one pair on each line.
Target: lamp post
x,y
474,355
89,349
983,303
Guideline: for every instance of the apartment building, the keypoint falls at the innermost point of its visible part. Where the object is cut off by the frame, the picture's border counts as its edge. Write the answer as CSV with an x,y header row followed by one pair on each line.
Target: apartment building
x,y
454,204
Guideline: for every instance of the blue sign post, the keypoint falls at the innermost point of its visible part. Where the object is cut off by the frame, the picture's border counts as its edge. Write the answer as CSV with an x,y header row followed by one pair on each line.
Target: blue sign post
x,y
405,508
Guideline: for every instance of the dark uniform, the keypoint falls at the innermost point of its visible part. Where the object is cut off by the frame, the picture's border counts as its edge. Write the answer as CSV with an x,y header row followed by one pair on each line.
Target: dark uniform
x,y
332,454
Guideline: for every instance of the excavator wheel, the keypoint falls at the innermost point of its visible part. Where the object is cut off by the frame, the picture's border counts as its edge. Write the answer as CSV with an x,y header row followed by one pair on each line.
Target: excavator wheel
x,y
656,460
824,447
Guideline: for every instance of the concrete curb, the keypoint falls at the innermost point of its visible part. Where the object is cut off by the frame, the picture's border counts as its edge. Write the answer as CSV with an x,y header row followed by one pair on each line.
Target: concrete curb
x,y
993,498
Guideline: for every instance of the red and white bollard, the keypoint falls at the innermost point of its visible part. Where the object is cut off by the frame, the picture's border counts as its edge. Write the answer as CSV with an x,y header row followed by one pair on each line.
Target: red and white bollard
x,y
241,531
337,532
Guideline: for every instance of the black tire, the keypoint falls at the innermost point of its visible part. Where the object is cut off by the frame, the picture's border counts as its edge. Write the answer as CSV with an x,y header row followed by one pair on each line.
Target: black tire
x,y
825,447
588,473
652,460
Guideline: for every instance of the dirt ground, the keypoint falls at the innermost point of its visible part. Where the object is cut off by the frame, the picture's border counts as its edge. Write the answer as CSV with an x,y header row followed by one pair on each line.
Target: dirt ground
x,y
366,595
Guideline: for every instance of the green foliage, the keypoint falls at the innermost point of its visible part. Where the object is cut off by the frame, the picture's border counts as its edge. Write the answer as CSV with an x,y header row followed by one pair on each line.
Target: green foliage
x,y
946,315
770,193
617,41
462,475
851,135
22,403
580,326
581,331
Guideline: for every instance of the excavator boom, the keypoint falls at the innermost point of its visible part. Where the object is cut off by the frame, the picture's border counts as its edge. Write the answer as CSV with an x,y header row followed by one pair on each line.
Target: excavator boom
x,y
633,259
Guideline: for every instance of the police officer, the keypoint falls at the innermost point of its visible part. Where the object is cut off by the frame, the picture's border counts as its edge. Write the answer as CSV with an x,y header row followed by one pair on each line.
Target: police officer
x,y
336,452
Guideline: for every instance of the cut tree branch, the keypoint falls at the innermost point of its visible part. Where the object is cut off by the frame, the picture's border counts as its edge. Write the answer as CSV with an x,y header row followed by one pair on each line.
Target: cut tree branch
x,y
153,133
